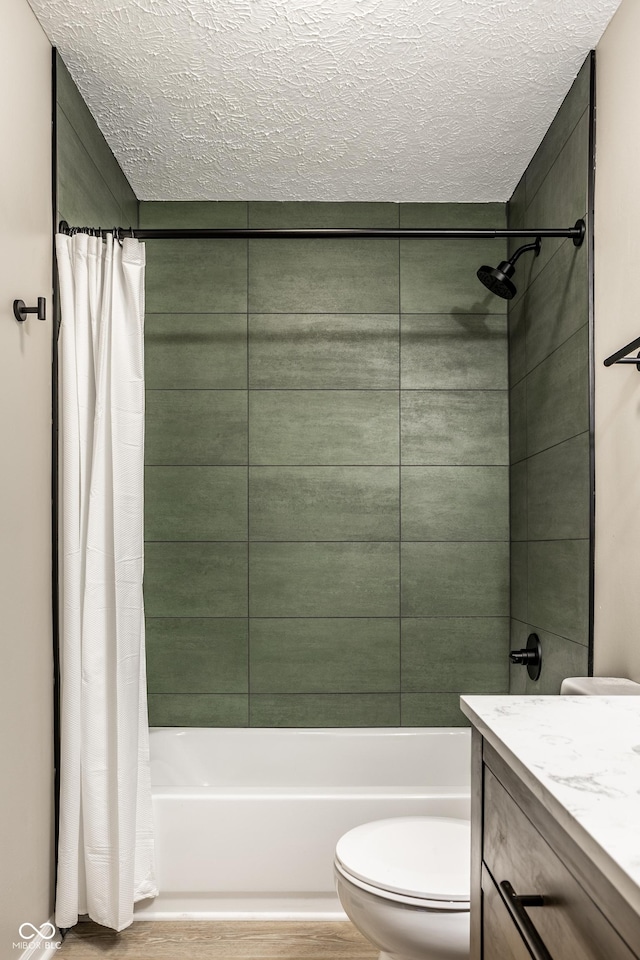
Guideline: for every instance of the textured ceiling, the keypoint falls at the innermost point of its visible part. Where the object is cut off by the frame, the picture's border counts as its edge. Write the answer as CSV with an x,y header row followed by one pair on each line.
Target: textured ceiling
x,y
424,100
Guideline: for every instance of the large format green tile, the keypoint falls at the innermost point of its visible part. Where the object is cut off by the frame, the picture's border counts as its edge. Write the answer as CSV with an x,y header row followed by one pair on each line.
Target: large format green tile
x,y
293,214
196,276
559,587
197,427
84,198
563,125
323,276
439,276
323,351
558,395
455,503
455,351
448,427
519,580
324,580
77,113
323,427
518,422
196,503
198,710
198,214
556,304
455,579
468,654
562,196
325,656
460,215
196,351
517,341
432,710
197,656
195,580
518,672
516,209
558,491
518,501
325,710
324,503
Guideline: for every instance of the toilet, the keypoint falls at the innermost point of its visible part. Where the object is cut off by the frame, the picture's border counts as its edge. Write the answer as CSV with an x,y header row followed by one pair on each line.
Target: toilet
x,y
404,882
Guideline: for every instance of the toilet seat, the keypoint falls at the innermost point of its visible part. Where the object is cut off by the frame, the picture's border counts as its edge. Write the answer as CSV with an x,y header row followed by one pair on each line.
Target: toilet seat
x,y
422,861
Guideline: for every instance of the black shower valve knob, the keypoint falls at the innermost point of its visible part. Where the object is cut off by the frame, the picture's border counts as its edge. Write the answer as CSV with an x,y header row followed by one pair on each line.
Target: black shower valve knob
x,y
530,656
523,656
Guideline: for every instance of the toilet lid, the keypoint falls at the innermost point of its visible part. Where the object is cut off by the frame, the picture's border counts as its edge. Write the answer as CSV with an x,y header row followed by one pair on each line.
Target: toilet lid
x,y
424,857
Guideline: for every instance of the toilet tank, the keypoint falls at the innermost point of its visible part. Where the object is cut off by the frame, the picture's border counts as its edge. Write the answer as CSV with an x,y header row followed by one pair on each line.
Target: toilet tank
x,y
600,687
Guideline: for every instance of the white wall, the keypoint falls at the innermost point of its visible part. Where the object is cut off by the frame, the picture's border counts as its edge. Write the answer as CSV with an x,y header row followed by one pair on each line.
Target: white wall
x,y
26,713
617,321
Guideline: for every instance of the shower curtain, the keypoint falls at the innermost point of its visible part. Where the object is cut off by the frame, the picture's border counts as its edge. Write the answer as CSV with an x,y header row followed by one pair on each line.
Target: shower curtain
x,y
105,859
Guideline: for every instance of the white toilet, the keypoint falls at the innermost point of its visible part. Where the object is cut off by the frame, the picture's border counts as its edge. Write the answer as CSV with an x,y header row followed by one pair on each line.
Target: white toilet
x,y
404,883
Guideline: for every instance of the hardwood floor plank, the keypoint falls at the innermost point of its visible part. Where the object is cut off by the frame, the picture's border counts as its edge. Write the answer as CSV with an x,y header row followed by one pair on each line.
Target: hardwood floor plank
x,y
218,940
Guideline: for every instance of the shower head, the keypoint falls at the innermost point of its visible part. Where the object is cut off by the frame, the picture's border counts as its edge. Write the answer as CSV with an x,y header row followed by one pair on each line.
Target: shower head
x,y
498,279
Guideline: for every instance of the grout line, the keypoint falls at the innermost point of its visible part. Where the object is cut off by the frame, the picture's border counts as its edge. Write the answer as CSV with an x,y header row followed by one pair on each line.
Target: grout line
x,y
548,355
255,540
531,627
551,446
91,160
326,389
559,153
390,616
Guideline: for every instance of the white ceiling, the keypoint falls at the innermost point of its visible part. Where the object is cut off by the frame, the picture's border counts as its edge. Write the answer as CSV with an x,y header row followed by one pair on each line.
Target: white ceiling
x,y
399,100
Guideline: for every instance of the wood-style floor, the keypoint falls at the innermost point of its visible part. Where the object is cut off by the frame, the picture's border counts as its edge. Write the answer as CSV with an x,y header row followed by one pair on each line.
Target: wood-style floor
x,y
217,940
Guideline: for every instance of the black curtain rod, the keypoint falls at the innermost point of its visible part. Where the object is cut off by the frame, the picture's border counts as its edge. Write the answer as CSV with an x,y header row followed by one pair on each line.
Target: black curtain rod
x,y
576,233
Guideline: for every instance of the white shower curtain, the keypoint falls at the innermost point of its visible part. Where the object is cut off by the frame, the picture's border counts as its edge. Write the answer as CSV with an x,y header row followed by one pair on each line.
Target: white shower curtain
x,y
106,858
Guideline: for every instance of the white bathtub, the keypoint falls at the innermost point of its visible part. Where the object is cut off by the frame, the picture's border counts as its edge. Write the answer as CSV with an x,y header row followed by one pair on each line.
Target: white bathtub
x,y
247,820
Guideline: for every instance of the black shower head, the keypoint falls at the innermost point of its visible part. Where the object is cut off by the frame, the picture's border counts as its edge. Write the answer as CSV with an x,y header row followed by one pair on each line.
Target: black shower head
x,y
498,279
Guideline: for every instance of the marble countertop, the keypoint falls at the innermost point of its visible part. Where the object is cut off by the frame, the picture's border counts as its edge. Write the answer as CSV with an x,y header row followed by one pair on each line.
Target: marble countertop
x,y
580,756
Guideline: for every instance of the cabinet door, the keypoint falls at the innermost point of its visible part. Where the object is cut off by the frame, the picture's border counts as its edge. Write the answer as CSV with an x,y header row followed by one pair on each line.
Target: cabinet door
x,y
570,924
500,938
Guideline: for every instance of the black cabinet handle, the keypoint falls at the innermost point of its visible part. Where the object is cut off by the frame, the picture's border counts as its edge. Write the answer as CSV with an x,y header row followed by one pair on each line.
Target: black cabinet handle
x,y
516,906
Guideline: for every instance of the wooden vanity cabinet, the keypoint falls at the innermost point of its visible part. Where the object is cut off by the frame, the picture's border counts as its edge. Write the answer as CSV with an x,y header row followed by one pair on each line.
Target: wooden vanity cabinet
x,y
535,892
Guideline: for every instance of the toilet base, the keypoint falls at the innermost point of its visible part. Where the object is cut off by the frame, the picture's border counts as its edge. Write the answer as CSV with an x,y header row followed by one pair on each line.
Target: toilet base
x,y
404,932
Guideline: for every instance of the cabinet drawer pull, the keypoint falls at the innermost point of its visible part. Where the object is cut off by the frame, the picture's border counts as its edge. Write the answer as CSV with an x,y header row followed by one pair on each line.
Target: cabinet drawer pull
x,y
516,906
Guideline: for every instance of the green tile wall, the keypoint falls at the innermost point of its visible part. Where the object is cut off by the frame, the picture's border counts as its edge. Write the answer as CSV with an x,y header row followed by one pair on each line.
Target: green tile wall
x,y
327,507
549,407
91,188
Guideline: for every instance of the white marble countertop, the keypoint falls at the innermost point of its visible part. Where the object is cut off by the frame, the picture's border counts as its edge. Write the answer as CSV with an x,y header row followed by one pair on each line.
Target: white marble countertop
x,y
580,756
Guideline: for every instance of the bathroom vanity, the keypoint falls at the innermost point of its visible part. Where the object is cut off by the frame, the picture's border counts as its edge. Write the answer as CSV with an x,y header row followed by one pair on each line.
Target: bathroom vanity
x,y
555,868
